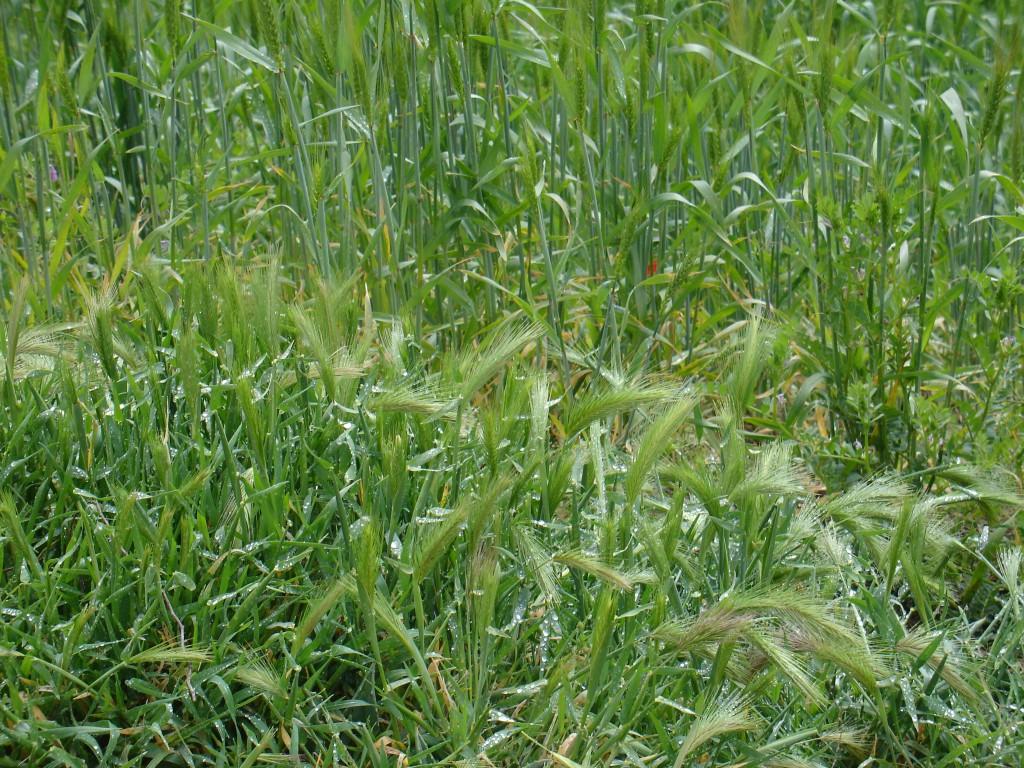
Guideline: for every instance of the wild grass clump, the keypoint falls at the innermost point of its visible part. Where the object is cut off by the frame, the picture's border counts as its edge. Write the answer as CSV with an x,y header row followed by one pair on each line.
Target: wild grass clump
x,y
278,564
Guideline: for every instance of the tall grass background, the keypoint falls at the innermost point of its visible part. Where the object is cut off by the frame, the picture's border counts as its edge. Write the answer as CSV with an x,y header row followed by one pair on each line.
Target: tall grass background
x,y
488,383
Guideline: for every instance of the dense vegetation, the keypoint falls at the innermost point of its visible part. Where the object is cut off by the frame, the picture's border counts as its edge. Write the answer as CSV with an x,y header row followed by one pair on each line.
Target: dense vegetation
x,y
421,382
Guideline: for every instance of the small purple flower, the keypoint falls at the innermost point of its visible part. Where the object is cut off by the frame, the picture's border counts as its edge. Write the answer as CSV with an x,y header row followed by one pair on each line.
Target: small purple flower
x,y
857,445
53,173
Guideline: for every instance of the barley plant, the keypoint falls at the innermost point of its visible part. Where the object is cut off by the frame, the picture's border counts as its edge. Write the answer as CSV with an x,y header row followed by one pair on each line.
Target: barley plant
x,y
485,383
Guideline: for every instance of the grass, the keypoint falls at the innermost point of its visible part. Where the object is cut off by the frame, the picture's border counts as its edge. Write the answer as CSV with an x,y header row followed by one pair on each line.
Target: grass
x,y
429,384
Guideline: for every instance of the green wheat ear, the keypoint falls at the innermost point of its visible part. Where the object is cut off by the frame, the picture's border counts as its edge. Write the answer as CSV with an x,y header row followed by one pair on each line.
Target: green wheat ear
x,y
172,26
608,400
486,580
537,562
313,340
270,27
265,306
1008,565
773,474
727,715
789,663
476,367
325,602
170,653
261,676
12,331
945,659
5,75
596,567
655,442
422,398
11,521
99,320
435,545
748,368
38,349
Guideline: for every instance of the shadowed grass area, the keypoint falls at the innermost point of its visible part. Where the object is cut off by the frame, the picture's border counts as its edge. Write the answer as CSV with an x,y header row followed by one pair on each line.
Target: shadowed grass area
x,y
424,383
